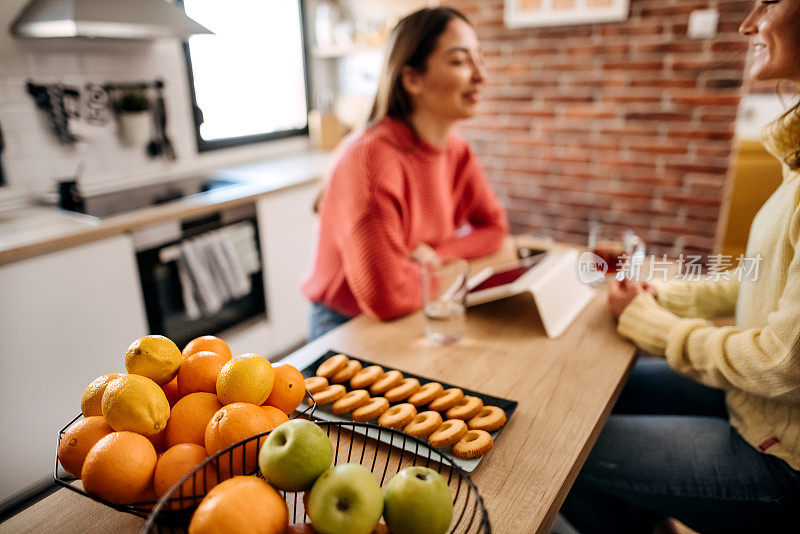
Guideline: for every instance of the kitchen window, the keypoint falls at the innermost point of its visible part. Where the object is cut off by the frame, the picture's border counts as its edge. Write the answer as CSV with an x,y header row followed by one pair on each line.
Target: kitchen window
x,y
249,81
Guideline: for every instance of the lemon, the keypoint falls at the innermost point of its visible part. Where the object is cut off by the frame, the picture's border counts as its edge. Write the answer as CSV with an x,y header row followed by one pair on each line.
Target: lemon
x,y
155,357
93,395
135,403
245,378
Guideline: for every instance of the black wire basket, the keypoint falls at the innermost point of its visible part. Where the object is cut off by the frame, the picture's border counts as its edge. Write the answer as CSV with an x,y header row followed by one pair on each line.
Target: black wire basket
x,y
384,451
143,509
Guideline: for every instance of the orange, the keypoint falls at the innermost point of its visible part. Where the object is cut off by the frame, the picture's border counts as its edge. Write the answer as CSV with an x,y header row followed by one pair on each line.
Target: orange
x,y
78,440
177,462
135,403
241,505
245,378
147,496
210,343
232,424
93,395
288,389
171,391
189,418
276,415
199,372
156,357
119,467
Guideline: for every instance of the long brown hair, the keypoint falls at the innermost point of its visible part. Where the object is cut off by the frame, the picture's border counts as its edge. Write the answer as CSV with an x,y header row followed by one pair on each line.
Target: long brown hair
x,y
410,44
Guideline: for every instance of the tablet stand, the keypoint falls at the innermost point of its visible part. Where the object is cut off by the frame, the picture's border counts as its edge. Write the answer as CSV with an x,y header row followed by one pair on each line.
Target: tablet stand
x,y
558,294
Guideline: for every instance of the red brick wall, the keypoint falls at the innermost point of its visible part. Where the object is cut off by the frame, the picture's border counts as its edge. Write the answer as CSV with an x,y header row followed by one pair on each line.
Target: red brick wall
x,y
626,123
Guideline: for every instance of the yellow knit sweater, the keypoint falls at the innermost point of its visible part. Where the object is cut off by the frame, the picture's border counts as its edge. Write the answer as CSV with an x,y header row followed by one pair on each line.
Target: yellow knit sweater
x,y
756,362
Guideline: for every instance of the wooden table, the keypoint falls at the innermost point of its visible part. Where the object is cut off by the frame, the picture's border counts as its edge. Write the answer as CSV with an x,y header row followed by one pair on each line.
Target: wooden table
x,y
565,389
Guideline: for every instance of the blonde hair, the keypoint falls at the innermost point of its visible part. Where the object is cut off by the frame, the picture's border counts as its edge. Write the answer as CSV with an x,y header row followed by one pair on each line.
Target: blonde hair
x,y
793,159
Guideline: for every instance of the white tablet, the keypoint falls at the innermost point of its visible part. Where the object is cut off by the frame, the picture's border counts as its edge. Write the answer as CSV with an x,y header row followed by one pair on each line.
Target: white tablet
x,y
502,281
552,279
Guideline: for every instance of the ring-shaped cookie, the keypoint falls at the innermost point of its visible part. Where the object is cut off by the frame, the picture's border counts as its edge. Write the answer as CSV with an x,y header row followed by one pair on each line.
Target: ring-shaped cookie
x,y
349,371
446,400
403,391
332,365
475,443
366,377
424,424
489,419
372,409
426,394
397,416
448,433
316,383
350,401
389,380
329,394
465,409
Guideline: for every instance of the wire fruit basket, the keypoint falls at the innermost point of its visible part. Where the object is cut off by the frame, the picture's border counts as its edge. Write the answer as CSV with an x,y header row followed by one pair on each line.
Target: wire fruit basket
x,y
384,451
143,509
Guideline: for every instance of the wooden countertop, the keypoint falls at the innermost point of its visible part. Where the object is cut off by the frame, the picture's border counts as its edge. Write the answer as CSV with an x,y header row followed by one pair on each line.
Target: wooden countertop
x,y
65,229
565,388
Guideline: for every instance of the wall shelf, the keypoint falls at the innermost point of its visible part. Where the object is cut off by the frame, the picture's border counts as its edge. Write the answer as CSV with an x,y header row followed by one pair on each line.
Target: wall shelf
x,y
337,51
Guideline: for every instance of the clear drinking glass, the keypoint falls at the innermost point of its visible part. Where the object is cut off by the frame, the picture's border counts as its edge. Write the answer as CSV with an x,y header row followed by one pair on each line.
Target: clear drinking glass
x,y
617,247
444,292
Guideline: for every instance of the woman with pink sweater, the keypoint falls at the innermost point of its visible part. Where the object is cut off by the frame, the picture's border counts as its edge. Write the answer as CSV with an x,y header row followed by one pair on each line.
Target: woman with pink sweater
x,y
407,189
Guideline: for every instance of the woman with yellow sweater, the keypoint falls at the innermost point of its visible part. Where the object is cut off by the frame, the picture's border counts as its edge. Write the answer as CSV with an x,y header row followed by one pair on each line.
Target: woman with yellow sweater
x,y
710,435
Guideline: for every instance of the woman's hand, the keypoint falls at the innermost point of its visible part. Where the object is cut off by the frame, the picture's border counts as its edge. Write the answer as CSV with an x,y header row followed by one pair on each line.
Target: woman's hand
x,y
622,292
425,254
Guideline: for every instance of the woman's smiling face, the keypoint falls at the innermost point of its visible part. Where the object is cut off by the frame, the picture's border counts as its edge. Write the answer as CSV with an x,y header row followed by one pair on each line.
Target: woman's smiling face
x,y
451,84
774,30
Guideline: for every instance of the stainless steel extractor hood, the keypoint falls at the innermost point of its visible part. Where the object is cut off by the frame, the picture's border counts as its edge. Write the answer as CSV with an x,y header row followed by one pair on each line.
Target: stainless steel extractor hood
x,y
104,19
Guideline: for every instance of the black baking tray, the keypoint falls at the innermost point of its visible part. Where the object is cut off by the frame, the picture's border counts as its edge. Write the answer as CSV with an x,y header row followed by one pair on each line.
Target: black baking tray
x,y
323,412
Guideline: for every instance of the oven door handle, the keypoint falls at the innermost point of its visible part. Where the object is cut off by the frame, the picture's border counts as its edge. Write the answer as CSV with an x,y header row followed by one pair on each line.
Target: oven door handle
x,y
169,254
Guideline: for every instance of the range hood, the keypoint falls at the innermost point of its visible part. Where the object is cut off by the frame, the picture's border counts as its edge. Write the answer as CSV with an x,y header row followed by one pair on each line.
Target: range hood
x,y
104,19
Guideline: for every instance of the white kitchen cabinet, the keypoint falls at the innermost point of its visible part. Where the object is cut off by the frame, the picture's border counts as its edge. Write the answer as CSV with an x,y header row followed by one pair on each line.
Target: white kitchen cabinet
x,y
65,318
287,233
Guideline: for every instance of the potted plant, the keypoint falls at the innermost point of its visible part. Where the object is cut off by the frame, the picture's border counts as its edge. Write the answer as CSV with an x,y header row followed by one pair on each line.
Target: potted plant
x,y
133,113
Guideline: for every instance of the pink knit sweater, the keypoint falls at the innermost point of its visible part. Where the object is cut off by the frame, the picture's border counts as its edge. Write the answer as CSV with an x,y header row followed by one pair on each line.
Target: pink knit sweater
x,y
390,192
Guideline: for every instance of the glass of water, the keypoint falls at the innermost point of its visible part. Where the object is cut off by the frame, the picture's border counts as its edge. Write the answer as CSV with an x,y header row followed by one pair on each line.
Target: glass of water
x,y
617,249
444,292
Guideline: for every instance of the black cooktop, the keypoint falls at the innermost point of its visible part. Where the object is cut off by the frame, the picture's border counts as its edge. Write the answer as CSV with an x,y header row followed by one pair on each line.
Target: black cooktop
x,y
109,204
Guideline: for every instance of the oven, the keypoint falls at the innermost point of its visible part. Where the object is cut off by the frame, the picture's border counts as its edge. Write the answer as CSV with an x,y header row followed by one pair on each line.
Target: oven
x,y
201,275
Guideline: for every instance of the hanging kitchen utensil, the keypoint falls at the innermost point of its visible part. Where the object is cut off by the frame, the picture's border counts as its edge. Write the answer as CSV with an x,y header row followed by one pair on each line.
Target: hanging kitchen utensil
x,y
154,146
97,105
2,149
50,98
166,144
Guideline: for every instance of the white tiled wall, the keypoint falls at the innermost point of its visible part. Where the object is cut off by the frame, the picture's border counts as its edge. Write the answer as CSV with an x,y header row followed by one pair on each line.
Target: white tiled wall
x,y
34,160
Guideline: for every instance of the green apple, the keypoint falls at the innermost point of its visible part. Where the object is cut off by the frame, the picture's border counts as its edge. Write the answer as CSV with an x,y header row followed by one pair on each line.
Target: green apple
x,y
417,501
345,499
294,454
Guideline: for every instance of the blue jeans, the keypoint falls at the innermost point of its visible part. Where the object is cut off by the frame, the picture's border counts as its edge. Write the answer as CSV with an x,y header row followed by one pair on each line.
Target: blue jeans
x,y
668,450
324,319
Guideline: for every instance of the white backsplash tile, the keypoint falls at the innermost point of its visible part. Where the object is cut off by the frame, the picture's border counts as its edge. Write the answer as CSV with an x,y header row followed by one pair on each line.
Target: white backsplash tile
x,y
13,91
34,159
52,64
